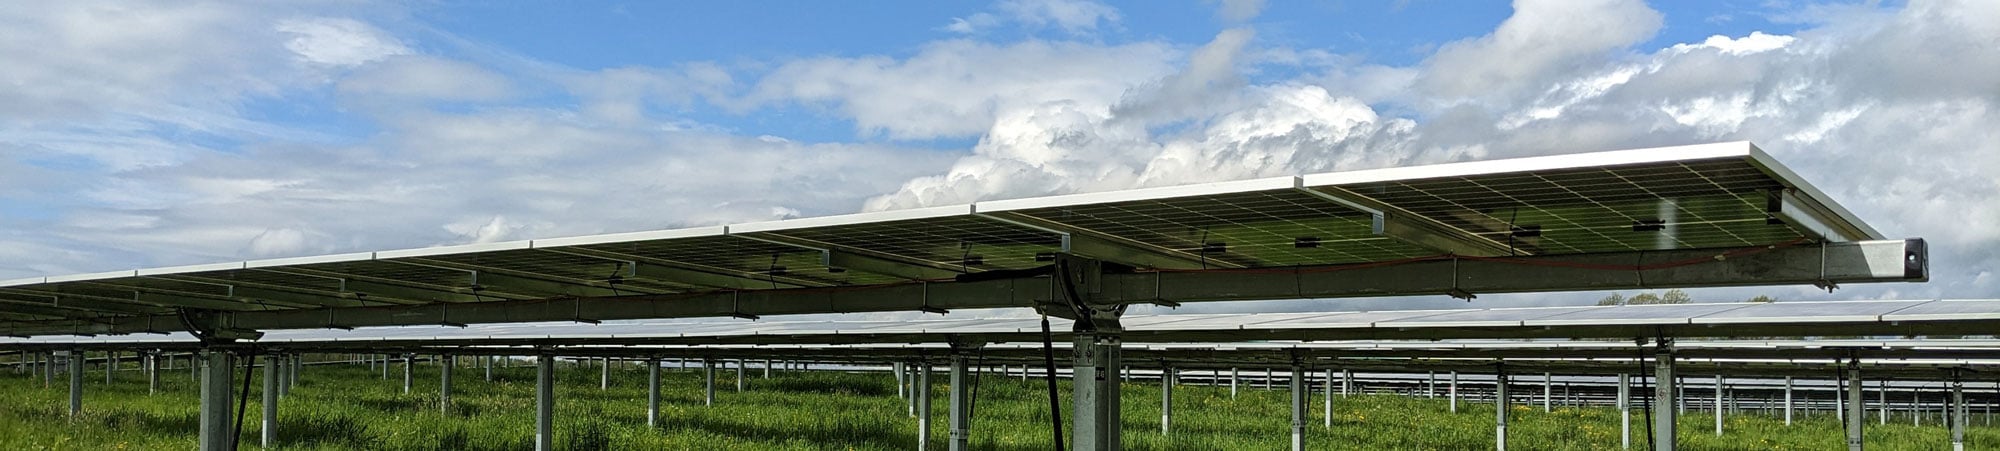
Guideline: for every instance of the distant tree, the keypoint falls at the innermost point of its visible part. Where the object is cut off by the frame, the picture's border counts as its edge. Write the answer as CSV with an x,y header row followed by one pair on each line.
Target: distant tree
x,y
1643,299
1613,299
1762,298
1676,296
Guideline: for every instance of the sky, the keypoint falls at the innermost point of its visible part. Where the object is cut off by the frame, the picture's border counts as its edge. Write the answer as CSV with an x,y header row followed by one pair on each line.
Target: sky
x,y
140,134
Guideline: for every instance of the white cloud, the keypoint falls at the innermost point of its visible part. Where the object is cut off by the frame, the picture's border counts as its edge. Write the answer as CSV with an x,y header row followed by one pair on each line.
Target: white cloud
x,y
335,41
1544,41
1239,10
1074,16
403,78
957,87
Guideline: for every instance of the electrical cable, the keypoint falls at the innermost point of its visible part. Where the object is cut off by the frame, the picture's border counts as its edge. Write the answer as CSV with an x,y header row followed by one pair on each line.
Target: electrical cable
x,y
1055,404
243,400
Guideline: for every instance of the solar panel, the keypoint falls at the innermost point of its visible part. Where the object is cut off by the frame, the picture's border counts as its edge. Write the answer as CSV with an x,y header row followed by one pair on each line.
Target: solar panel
x,y
1718,196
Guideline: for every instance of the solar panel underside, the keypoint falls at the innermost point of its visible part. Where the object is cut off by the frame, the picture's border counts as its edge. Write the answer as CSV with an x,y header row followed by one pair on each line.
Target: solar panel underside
x,y
1710,199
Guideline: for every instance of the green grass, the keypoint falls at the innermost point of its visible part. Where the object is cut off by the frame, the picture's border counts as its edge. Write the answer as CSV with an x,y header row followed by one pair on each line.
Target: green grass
x,y
350,407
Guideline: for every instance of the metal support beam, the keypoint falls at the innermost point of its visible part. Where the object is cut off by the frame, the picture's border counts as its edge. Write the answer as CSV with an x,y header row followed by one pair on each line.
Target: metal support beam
x,y
545,402
1852,262
1298,387
604,373
1718,405
1788,400
961,404
75,383
1855,409
1500,401
923,406
444,382
152,373
1956,415
1452,391
1548,392
739,375
488,361
1166,400
409,371
270,423
708,382
1624,411
1095,363
653,392
1326,401
218,432
1234,376
1664,398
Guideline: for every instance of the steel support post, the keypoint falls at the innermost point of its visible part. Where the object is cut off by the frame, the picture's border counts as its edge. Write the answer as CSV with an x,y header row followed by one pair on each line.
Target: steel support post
x,y
1624,411
1326,401
902,386
1548,392
1166,400
385,367
708,382
444,383
152,373
75,383
1346,382
1234,375
923,406
1957,415
488,362
545,402
1788,400
409,371
1451,392
653,392
218,431
1500,408
1430,384
1855,410
1095,370
1298,387
270,424
278,365
961,405
1664,399
910,402
739,374
298,367
110,367
604,374
767,368
1882,402
1718,405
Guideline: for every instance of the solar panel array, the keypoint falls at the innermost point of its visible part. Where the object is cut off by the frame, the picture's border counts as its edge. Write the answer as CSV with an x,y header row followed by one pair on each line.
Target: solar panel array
x,y
1709,196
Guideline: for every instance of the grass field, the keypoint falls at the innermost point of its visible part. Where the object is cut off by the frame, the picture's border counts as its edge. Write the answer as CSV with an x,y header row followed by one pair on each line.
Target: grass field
x,y
351,407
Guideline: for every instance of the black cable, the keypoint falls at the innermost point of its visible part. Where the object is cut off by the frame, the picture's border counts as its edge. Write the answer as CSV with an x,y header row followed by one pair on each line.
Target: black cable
x,y
1645,397
243,401
1055,404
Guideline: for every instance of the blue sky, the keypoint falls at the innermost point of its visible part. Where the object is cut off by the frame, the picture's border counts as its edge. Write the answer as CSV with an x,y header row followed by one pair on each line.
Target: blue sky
x,y
155,133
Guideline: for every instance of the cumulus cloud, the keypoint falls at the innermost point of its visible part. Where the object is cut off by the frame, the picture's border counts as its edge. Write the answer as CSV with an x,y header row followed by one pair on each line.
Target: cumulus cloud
x,y
335,41
425,78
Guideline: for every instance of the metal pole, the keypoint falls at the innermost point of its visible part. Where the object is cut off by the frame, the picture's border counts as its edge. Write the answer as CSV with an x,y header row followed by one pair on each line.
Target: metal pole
x,y
708,381
1166,400
1624,411
545,402
1957,415
1327,401
152,374
1452,391
961,407
653,392
75,383
1500,409
1854,407
1663,397
488,360
1095,391
278,365
910,402
218,432
409,371
923,405
1346,381
1788,400
1298,407
739,375
444,383
1882,402
1431,384
110,367
1718,405
1234,374
1548,391
604,376
902,386
270,425
767,368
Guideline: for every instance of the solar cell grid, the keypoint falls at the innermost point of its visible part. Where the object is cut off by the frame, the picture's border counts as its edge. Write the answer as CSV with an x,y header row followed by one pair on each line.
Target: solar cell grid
x,y
1255,229
943,241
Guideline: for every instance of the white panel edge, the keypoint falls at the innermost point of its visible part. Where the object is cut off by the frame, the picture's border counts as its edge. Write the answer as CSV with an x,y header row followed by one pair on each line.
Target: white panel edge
x,y
1541,163
1142,194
